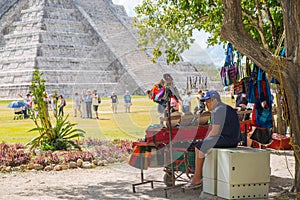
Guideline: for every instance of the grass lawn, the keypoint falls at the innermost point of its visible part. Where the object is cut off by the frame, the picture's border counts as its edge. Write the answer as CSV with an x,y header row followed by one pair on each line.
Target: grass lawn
x,y
121,125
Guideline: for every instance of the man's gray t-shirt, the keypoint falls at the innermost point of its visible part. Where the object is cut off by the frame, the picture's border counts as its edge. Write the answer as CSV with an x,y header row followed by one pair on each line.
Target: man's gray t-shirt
x,y
227,118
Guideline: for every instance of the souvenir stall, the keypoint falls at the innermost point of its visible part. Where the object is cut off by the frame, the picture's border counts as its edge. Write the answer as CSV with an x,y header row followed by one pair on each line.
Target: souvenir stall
x,y
170,144
252,87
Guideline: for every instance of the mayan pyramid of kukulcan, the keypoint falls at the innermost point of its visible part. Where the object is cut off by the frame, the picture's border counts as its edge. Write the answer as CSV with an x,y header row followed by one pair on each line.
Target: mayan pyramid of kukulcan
x,y
77,44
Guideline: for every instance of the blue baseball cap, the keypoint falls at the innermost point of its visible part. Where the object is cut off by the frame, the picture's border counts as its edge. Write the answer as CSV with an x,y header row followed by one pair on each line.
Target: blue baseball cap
x,y
211,94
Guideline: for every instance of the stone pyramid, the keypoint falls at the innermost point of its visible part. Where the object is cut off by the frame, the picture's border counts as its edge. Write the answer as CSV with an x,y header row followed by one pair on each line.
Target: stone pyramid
x,y
78,45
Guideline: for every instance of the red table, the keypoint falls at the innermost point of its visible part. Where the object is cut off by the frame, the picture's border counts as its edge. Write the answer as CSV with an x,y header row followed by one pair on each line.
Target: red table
x,y
156,135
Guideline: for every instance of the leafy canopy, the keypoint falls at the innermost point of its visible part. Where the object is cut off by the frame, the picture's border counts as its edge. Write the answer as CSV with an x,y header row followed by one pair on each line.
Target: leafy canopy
x,y
166,26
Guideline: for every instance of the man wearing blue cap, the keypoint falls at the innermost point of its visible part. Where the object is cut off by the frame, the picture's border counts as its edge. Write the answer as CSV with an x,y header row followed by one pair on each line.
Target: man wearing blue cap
x,y
223,133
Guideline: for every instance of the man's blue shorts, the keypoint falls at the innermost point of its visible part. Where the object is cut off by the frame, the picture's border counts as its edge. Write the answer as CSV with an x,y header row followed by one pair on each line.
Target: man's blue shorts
x,y
215,142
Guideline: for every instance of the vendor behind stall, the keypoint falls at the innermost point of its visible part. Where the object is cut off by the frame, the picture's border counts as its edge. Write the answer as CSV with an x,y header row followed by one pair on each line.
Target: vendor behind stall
x,y
223,133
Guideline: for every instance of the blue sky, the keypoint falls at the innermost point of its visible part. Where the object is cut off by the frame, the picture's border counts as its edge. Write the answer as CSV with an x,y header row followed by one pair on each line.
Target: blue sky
x,y
213,55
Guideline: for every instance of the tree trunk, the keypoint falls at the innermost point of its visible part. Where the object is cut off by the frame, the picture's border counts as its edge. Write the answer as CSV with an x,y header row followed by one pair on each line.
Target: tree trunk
x,y
233,31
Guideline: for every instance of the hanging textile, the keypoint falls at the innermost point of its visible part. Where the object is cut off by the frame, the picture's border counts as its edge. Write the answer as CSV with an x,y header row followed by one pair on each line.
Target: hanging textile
x,y
229,72
140,157
259,93
240,73
191,84
187,83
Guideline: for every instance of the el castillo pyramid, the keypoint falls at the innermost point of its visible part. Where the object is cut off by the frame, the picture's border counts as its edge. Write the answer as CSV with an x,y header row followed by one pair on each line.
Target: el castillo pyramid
x,y
77,44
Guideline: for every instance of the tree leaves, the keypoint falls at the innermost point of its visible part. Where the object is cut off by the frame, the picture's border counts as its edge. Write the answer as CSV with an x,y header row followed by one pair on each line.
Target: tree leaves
x,y
166,27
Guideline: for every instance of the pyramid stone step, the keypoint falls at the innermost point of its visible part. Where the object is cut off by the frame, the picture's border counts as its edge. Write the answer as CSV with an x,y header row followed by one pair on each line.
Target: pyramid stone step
x,y
68,76
71,51
57,63
68,38
59,13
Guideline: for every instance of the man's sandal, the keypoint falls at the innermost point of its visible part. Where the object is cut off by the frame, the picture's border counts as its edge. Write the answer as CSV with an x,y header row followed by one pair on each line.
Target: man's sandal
x,y
190,185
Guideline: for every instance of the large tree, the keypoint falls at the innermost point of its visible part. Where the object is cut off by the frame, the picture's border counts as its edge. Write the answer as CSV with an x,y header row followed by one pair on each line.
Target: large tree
x,y
254,27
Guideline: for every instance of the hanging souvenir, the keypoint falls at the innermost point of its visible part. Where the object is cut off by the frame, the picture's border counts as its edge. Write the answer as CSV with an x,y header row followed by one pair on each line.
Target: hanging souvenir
x,y
259,93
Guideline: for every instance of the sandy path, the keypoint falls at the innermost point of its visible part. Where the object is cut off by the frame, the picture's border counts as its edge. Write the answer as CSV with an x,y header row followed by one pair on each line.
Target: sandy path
x,y
114,182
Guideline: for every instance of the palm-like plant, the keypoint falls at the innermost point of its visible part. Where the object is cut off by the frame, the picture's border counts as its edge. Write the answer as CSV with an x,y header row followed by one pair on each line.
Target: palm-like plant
x,y
53,136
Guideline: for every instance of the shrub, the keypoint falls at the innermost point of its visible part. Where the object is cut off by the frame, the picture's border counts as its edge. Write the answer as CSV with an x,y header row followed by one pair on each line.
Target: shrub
x,y
104,150
46,159
75,155
13,155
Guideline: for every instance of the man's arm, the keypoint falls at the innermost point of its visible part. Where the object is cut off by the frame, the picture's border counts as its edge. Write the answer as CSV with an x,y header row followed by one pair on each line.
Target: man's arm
x,y
214,131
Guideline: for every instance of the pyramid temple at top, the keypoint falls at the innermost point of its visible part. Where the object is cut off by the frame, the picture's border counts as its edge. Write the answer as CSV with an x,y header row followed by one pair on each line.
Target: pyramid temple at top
x,y
78,45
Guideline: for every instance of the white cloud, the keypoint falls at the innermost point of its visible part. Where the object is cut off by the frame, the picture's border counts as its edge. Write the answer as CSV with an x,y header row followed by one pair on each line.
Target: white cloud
x,y
128,5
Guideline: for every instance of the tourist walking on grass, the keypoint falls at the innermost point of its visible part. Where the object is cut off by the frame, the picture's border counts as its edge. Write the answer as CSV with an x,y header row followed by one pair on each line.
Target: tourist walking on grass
x,y
186,104
114,102
76,104
127,101
62,104
83,104
95,102
54,99
88,102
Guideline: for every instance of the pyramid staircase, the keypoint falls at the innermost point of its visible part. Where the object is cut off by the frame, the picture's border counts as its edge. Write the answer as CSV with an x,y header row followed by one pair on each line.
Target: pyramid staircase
x,y
78,45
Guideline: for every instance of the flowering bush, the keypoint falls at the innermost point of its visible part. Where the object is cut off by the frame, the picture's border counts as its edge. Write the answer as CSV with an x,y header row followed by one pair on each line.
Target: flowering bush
x,y
104,150
16,155
46,159
75,155
13,155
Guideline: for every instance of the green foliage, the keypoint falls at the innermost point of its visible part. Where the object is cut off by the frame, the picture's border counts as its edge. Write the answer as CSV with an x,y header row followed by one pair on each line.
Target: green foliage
x,y
52,136
167,26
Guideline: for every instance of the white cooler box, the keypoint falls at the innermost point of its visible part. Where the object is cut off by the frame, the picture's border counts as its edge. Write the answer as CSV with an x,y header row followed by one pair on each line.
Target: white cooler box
x,y
243,173
210,172
243,191
243,165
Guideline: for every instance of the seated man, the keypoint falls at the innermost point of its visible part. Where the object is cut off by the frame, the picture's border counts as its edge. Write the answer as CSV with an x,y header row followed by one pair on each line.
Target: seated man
x,y
223,133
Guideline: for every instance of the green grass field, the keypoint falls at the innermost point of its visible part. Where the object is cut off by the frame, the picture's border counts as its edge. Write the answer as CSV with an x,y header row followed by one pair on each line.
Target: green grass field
x,y
110,126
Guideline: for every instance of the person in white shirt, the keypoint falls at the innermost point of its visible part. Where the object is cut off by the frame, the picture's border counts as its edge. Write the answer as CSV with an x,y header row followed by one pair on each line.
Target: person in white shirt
x,y
186,103
95,102
76,104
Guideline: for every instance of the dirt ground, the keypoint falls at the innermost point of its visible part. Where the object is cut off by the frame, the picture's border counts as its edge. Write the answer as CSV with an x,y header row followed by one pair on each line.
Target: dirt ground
x,y
115,182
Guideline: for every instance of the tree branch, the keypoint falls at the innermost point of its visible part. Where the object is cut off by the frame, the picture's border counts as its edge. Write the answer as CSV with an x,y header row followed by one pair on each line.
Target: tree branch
x,y
272,26
261,26
252,18
233,30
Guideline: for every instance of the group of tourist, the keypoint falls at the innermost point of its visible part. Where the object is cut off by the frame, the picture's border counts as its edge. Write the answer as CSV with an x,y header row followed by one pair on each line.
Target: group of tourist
x,y
52,102
86,102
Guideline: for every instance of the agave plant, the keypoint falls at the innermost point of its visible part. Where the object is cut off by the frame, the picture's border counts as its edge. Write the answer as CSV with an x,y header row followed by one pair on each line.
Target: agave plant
x,y
58,135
